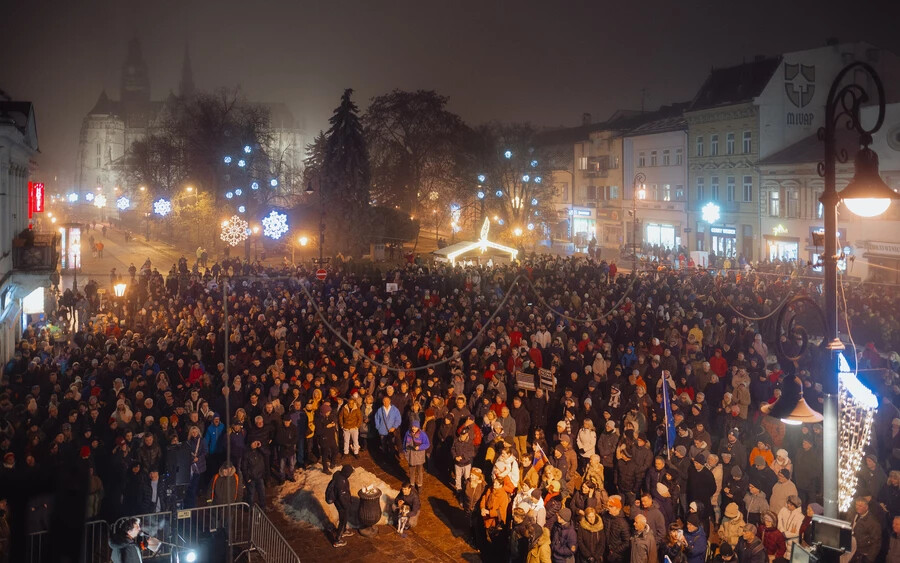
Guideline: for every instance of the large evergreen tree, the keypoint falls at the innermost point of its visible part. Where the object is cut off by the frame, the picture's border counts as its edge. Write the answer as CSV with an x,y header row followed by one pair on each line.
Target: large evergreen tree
x,y
345,177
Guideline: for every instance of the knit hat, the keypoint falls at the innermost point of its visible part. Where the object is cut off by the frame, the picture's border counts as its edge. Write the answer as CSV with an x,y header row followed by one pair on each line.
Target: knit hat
x,y
817,508
795,500
415,424
726,550
694,519
553,486
681,450
564,514
759,460
785,473
700,458
614,501
731,511
736,472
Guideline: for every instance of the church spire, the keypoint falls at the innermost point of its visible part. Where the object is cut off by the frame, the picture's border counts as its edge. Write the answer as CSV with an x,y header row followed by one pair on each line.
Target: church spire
x,y
135,79
186,86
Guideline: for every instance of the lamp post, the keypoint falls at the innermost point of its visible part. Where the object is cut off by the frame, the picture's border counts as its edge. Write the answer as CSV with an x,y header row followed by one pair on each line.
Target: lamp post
x,y
310,191
119,290
866,195
639,180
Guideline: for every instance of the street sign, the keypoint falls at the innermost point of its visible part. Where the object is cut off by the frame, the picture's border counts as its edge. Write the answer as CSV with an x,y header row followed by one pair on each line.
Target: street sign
x,y
321,274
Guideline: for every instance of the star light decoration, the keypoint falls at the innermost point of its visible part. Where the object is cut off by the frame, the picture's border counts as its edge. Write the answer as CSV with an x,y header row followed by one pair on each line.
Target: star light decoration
x,y
856,405
162,207
123,203
710,212
275,224
235,230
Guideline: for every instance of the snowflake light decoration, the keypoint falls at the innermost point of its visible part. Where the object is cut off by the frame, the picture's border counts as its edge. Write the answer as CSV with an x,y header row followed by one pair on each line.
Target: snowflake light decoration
x,y
89,196
123,203
710,212
274,225
72,197
162,207
100,201
235,230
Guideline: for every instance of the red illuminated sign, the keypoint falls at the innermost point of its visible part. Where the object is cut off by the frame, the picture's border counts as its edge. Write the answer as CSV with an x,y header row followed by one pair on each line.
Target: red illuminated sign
x,y
35,198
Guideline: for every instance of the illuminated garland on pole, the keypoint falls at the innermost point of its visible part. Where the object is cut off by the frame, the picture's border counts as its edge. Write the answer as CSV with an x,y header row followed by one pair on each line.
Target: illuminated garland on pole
x,y
856,405
235,230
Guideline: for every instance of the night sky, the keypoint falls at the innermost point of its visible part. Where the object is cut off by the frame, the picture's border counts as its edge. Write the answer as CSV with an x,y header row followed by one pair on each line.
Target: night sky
x,y
541,61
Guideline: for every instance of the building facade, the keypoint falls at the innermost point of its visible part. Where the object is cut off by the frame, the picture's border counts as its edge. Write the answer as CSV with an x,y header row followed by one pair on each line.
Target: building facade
x,y
792,216
27,258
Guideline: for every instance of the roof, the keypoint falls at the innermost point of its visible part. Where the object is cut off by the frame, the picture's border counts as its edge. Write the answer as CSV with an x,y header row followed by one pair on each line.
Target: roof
x,y
621,120
736,84
810,149
21,115
105,106
674,123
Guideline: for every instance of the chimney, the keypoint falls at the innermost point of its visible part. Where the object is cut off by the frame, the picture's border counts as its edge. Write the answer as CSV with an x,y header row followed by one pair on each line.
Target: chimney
x,y
586,119
832,41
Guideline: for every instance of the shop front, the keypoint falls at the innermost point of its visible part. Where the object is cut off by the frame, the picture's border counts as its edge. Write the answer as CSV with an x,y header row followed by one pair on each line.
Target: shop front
x,y
661,235
883,261
724,240
784,248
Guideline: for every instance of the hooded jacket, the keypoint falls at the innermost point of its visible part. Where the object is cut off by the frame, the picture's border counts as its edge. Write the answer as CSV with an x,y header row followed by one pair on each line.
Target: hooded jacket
x,y
342,495
591,540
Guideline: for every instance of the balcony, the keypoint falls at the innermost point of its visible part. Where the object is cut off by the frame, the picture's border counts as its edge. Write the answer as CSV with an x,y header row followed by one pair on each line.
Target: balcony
x,y
35,252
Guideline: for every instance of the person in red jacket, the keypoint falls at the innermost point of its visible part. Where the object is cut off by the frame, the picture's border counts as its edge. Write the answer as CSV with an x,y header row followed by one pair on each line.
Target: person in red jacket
x,y
718,364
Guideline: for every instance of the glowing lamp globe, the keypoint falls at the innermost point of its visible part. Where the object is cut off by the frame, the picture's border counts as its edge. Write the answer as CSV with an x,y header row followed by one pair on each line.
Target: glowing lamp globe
x,y
119,289
273,182
867,195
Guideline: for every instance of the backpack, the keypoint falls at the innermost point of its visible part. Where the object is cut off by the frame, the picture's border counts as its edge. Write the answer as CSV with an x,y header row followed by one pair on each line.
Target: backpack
x,y
329,492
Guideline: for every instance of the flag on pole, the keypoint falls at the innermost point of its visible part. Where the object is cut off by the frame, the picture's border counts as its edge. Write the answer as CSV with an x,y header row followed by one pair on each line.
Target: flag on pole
x,y
667,411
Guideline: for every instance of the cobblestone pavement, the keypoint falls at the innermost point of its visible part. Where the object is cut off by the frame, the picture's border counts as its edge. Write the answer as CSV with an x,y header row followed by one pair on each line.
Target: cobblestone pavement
x,y
439,536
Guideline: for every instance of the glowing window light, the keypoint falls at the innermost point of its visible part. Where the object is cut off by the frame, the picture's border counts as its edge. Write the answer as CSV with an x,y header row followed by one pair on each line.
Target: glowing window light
x,y
275,225
273,182
238,191
229,195
72,197
227,160
482,178
89,196
508,154
480,194
856,408
255,185
247,149
162,207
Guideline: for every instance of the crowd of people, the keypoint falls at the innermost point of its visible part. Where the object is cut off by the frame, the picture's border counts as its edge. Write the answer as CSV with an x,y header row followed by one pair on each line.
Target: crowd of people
x,y
124,411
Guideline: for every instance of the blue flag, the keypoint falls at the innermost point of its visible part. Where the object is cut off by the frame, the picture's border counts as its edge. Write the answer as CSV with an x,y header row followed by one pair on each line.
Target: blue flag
x,y
667,411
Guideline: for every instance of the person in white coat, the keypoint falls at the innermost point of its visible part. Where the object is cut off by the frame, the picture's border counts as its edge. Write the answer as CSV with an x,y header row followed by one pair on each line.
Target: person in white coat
x,y
790,518
586,442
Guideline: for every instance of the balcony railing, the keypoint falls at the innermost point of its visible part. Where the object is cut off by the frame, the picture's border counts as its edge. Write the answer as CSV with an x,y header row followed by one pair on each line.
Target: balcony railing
x,y
36,252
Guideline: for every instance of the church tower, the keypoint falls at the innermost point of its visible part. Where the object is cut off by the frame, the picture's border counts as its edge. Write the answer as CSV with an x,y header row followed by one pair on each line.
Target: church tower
x,y
135,80
186,85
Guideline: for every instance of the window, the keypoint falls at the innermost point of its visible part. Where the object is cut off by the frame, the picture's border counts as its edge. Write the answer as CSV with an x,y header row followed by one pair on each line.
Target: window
x,y
613,192
714,145
642,160
562,191
679,157
700,187
582,163
591,193
679,192
748,189
729,143
820,209
653,160
653,192
793,203
747,142
667,192
666,158
99,151
774,203
700,146
714,187
729,189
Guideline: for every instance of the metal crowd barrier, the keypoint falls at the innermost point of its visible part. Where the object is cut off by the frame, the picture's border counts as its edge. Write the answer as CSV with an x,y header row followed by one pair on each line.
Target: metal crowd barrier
x,y
94,548
266,538
192,525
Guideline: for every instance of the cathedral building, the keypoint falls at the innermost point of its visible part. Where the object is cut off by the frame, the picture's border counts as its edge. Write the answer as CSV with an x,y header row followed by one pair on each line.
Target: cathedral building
x,y
112,126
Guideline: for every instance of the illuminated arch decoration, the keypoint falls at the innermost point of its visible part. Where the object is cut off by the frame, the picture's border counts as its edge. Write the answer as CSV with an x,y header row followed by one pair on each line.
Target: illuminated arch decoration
x,y
856,407
483,244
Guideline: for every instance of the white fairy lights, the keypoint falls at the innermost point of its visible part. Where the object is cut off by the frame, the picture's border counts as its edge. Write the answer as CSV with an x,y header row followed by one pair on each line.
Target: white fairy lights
x,y
275,225
856,405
